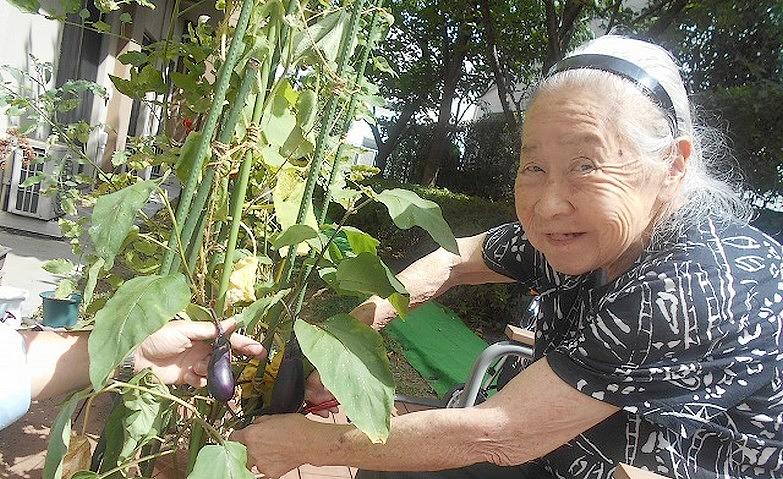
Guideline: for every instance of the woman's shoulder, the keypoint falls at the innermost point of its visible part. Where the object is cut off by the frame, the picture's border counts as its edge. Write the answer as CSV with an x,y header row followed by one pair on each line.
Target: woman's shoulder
x,y
719,256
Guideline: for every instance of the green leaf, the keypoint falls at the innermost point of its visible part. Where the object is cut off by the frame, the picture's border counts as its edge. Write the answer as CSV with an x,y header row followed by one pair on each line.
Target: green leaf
x,y
27,6
102,26
92,280
197,313
253,313
113,216
152,80
287,196
187,154
65,288
407,209
360,241
60,436
84,14
31,180
58,266
226,461
134,58
119,157
367,273
307,109
147,413
294,234
352,361
280,120
140,307
126,87
324,35
125,18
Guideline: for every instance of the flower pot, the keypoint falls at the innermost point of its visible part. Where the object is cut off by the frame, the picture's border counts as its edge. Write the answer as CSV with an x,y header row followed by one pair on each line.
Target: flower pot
x,y
60,313
11,300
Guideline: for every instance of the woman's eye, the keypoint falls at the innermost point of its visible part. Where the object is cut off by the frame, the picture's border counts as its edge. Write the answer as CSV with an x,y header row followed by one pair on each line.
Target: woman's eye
x,y
584,167
532,169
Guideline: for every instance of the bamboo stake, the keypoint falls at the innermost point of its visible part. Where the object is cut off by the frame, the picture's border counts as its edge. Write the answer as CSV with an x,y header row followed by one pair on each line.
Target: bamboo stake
x,y
238,196
249,78
221,88
346,124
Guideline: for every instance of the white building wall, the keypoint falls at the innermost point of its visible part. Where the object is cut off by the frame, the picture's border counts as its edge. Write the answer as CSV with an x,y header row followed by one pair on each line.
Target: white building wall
x,y
22,34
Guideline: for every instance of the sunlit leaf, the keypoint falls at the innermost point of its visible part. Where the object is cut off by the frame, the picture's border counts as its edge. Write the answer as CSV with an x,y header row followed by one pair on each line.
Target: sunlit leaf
x,y
225,461
352,361
140,307
407,209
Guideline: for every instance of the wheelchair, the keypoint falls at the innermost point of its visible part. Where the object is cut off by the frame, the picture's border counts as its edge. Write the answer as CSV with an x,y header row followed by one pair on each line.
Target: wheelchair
x,y
497,364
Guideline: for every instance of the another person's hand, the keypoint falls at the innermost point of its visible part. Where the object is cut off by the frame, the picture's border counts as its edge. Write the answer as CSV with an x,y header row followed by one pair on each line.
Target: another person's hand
x,y
316,393
180,351
376,312
269,447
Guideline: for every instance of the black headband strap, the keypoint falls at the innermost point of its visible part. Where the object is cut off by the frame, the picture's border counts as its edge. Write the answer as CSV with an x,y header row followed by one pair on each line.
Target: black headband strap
x,y
627,70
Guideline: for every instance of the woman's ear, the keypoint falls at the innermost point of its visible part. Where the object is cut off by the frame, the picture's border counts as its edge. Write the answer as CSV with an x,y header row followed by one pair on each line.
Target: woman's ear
x,y
683,147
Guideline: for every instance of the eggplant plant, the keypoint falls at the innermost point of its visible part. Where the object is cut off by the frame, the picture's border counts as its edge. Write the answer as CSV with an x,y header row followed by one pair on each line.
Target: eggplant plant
x,y
262,162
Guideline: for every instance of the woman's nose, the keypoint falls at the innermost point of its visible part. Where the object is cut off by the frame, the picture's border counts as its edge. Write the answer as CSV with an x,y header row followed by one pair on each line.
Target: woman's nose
x,y
554,200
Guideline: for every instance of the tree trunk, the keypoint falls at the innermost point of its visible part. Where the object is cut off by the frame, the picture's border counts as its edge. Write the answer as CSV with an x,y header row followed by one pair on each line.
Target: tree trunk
x,y
559,29
452,74
385,148
494,62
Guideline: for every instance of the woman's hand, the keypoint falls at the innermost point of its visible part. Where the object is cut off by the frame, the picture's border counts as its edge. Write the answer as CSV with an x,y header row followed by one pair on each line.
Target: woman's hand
x,y
180,351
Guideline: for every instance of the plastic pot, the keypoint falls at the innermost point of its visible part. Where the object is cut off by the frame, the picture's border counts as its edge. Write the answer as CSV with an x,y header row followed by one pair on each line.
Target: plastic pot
x,y
60,313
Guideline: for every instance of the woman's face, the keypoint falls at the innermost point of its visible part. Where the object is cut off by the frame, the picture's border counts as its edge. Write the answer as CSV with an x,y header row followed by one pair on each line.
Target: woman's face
x,y
581,193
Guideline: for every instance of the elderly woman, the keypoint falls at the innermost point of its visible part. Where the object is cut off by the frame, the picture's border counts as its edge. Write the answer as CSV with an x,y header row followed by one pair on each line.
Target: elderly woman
x,y
658,340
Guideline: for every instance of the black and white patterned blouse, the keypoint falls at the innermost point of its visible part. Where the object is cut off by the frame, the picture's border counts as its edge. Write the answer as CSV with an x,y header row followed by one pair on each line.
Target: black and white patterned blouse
x,y
687,343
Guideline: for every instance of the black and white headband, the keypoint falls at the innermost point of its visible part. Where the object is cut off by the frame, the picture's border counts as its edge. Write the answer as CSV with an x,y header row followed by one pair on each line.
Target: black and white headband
x,y
625,69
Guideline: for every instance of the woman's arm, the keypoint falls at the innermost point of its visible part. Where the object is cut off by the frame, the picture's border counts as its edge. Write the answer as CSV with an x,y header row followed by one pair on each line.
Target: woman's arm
x,y
432,276
532,415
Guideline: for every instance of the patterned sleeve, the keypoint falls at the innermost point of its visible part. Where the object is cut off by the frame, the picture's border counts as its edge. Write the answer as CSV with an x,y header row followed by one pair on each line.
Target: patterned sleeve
x,y
14,378
680,345
508,252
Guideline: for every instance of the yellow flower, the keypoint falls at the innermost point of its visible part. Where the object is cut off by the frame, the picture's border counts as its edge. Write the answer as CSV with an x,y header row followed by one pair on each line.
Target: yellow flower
x,y
242,283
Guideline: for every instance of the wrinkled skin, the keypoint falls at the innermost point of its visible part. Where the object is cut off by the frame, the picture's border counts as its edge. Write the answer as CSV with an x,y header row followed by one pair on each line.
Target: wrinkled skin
x,y
586,198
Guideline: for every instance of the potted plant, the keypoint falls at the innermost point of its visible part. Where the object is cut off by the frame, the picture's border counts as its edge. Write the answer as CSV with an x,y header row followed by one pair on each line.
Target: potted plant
x,y
61,305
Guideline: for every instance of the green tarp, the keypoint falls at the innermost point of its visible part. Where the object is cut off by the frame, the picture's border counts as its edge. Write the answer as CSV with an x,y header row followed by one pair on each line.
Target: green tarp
x,y
438,345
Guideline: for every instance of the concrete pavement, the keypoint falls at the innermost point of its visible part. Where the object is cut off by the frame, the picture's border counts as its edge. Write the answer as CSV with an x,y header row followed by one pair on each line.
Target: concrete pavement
x,y
22,267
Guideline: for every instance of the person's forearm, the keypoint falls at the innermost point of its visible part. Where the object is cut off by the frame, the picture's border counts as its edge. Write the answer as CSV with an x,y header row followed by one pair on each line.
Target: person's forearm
x,y
58,363
423,441
432,276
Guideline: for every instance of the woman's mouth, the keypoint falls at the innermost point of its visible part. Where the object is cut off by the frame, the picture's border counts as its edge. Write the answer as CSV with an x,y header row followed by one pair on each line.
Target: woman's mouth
x,y
563,238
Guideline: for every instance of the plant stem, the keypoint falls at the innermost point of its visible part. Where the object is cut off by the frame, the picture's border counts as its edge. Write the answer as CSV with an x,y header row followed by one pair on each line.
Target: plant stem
x,y
134,462
219,97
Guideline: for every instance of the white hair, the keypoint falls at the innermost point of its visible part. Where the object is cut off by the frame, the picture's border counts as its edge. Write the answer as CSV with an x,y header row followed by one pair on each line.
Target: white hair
x,y
710,186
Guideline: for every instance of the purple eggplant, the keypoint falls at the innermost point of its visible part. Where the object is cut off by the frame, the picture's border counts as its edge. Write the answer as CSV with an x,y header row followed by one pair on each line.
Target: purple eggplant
x,y
220,379
288,391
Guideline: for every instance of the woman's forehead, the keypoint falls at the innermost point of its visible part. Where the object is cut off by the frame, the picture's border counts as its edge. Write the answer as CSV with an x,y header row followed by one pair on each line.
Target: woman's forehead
x,y
569,117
